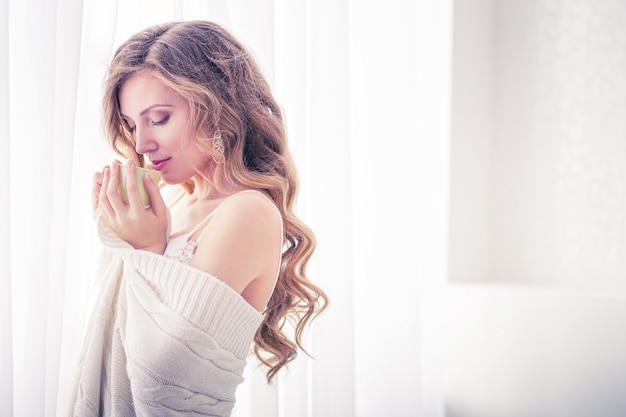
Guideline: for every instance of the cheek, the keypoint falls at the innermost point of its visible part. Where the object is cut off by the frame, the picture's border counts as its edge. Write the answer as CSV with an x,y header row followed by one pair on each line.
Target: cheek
x,y
198,160
193,161
195,154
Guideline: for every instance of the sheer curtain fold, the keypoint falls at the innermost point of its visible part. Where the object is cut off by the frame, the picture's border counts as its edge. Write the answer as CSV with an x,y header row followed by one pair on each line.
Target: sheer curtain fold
x,y
327,176
67,56
42,43
88,153
6,348
31,109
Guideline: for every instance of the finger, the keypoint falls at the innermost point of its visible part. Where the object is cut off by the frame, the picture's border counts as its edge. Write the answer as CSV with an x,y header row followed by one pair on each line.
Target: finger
x,y
95,197
97,178
103,200
96,187
156,200
112,189
132,189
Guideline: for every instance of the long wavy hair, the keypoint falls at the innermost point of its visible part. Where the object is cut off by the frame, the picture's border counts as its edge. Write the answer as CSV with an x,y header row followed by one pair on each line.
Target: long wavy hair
x,y
225,89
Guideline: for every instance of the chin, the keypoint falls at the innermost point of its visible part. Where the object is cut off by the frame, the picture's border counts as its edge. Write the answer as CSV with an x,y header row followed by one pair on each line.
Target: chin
x,y
169,180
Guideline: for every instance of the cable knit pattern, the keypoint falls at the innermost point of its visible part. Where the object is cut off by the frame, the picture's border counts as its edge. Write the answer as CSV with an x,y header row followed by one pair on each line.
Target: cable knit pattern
x,y
165,339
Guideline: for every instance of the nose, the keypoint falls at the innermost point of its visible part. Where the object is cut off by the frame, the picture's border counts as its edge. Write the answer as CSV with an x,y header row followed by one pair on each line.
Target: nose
x,y
144,143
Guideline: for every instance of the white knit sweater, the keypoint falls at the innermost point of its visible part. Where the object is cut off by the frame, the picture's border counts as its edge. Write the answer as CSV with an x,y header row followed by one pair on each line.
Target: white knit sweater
x,y
165,339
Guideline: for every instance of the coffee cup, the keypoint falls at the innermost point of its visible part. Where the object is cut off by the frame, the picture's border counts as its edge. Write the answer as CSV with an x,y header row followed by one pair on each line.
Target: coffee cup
x,y
140,173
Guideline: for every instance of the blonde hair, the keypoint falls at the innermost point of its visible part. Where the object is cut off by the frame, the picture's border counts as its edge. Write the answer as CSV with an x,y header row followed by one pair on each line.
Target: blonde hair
x,y
227,93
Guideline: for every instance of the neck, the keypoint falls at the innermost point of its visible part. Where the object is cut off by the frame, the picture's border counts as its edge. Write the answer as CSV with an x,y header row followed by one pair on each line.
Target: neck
x,y
206,190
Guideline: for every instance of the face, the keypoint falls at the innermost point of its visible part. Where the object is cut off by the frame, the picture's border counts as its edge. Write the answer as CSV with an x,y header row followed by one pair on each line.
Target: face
x,y
158,119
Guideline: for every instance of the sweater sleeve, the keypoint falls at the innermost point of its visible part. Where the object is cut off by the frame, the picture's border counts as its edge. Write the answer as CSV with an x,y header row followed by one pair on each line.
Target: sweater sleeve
x,y
186,337
201,299
182,336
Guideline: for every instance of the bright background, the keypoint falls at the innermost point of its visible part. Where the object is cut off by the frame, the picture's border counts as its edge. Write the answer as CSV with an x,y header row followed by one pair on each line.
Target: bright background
x,y
462,164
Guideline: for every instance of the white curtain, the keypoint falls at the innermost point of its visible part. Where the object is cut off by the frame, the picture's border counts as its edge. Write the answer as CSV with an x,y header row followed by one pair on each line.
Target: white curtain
x,y
40,52
365,87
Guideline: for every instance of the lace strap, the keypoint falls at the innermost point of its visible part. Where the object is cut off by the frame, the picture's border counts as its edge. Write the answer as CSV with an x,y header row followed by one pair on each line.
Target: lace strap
x,y
208,217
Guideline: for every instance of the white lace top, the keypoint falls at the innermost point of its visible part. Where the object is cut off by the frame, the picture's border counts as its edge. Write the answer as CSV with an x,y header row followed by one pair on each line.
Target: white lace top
x,y
181,248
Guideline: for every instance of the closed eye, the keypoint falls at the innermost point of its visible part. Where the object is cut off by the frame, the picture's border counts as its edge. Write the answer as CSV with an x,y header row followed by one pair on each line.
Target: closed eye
x,y
161,121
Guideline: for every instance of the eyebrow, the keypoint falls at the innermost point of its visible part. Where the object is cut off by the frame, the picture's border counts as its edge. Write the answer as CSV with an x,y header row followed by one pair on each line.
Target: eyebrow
x,y
147,109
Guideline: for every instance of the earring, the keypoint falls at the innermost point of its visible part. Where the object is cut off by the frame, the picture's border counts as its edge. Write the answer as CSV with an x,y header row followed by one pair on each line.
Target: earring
x,y
218,143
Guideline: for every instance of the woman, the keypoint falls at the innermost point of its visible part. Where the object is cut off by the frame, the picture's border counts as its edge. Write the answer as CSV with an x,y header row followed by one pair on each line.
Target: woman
x,y
216,263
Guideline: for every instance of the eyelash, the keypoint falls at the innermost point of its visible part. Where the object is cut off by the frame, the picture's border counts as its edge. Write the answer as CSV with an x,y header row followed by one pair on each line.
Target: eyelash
x,y
152,123
160,122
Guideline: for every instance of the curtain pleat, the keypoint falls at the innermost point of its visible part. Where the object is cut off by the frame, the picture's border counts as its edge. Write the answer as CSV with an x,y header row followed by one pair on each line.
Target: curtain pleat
x,y
32,50
6,326
45,147
89,153
66,72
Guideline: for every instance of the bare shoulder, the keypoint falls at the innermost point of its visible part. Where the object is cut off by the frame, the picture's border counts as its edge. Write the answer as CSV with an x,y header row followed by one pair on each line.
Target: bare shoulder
x,y
248,208
241,245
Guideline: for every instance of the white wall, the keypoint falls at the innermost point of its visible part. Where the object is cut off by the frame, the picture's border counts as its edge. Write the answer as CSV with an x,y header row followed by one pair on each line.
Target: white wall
x,y
535,310
538,179
560,181
472,141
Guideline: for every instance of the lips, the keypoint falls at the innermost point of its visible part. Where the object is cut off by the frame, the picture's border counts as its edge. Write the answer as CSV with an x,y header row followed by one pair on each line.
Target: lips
x,y
159,164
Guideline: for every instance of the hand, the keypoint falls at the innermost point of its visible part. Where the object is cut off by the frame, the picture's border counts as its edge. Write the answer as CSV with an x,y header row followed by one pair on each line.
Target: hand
x,y
95,193
144,228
